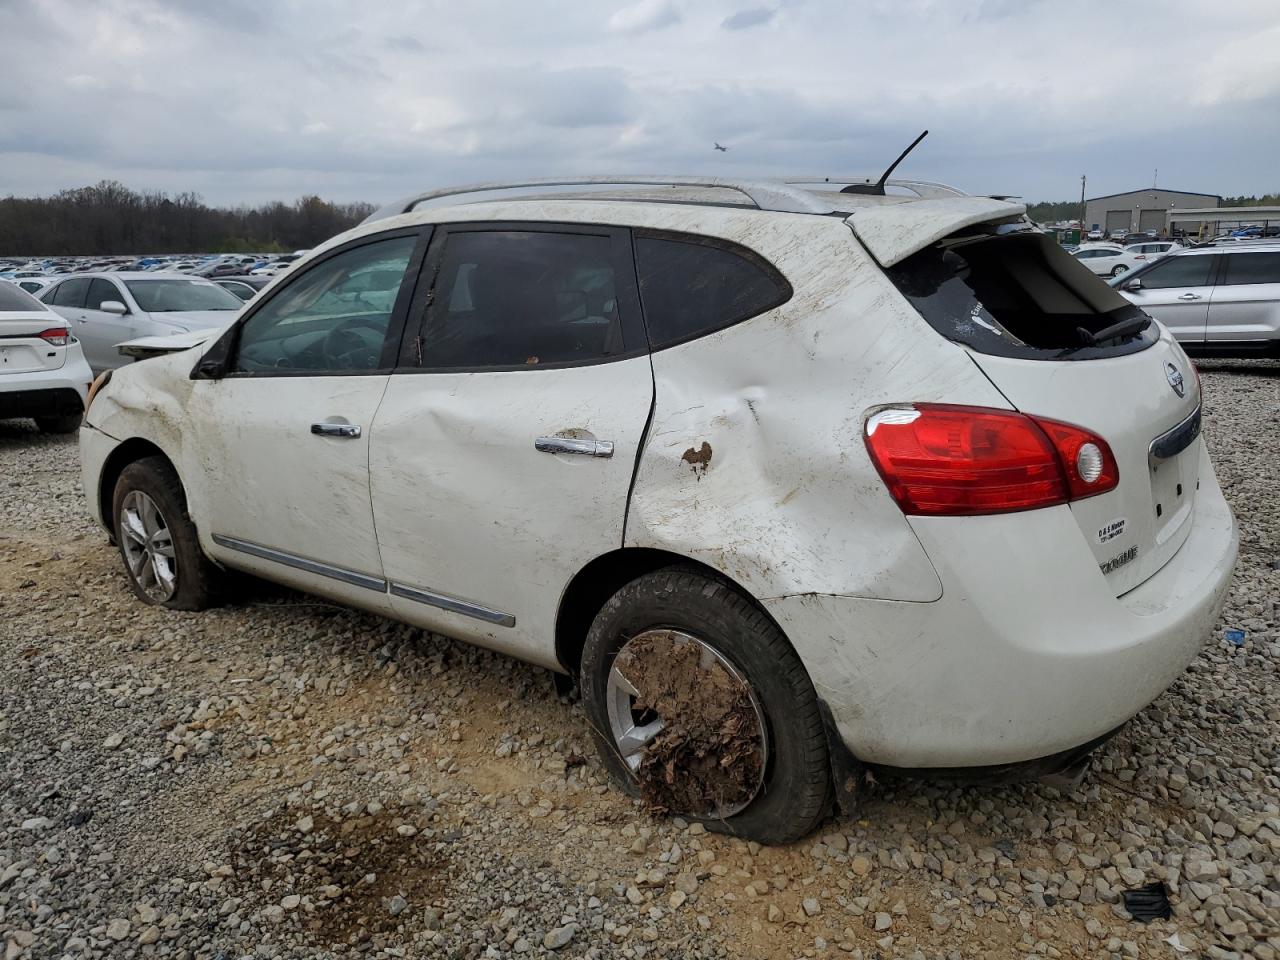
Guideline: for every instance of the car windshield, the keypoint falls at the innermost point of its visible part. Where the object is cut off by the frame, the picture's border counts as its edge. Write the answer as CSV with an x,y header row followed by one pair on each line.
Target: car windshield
x,y
172,294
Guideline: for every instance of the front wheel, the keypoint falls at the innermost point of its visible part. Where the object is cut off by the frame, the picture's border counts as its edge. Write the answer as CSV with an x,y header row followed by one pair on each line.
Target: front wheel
x,y
700,707
161,550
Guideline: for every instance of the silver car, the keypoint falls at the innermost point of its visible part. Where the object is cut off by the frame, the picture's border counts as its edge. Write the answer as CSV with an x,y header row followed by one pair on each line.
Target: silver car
x,y
106,309
1215,300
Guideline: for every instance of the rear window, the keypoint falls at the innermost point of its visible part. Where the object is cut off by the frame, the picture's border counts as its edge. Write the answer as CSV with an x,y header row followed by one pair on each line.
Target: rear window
x,y
690,286
13,299
1020,295
1252,268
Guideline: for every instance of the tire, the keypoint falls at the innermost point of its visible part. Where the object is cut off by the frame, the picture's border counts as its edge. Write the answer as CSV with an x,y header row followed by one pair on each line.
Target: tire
x,y
794,790
196,582
1118,269
67,424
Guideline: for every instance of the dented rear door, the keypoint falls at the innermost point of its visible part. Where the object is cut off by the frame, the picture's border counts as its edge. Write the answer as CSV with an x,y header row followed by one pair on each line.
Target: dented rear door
x,y
503,452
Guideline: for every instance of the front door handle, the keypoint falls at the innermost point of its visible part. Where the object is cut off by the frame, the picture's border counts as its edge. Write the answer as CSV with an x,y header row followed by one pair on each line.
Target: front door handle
x,y
585,448
1190,296
325,429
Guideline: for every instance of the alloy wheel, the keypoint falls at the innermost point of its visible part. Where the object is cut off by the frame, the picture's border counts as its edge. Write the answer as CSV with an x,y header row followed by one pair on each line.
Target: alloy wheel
x,y
671,696
148,546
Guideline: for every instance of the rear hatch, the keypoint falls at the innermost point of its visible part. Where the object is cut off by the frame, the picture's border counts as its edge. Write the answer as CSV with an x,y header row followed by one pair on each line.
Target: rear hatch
x,y
1060,344
22,321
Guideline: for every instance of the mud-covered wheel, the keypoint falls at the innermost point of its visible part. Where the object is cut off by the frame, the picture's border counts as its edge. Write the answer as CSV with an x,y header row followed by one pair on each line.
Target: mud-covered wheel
x,y
700,707
67,424
163,561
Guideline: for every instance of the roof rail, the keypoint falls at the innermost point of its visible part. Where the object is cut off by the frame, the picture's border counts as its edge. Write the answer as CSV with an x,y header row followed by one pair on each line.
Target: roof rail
x,y
772,195
924,189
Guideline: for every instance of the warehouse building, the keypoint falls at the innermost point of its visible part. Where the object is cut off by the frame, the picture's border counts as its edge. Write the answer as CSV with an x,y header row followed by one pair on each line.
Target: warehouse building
x,y
1149,209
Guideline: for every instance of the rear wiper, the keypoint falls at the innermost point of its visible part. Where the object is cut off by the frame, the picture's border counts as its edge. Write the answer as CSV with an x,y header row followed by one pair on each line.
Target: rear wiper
x,y
1116,330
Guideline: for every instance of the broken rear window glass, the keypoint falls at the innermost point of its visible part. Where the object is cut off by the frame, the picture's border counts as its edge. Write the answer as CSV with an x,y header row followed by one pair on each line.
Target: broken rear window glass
x,y
1020,295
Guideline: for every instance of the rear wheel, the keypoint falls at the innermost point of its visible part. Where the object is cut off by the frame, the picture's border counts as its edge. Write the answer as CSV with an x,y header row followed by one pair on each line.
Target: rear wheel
x,y
1118,269
162,556
67,424
700,707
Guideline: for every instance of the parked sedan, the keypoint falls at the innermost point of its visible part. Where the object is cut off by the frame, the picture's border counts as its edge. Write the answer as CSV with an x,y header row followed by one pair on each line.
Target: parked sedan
x,y
106,309
1106,259
1223,301
43,374
243,286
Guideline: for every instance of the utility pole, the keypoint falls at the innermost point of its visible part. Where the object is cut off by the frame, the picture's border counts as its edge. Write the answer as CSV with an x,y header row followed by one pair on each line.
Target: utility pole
x,y
1082,230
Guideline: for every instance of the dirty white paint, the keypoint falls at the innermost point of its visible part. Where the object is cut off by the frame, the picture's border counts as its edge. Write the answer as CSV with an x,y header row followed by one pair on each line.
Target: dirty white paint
x,y
893,233
467,507
783,498
1127,401
1027,653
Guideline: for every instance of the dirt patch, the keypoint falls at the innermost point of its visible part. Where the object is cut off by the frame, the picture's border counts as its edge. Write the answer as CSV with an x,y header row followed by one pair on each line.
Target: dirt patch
x,y
345,881
699,459
708,758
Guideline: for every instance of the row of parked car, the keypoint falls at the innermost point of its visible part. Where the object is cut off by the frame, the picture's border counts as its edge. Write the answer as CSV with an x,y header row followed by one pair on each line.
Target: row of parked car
x,y
33,274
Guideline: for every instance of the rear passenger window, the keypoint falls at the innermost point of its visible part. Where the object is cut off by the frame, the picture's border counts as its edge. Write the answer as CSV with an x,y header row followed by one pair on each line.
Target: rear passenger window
x,y
1252,268
71,293
506,298
690,287
1178,272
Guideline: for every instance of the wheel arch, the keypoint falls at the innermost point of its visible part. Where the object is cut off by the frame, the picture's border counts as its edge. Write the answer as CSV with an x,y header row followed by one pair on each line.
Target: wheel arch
x,y
130,451
604,576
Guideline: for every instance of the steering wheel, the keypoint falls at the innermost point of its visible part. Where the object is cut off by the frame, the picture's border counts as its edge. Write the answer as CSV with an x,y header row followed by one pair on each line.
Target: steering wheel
x,y
344,348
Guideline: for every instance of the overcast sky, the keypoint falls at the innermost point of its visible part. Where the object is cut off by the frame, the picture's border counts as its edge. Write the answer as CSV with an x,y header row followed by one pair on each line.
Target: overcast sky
x,y
253,100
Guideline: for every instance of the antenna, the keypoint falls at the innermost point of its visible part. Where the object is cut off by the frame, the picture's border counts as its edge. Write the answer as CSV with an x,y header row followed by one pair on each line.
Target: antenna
x,y
877,188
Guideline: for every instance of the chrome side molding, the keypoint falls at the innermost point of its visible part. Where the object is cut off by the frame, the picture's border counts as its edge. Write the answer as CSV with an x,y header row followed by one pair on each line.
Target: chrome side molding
x,y
453,604
302,563
416,594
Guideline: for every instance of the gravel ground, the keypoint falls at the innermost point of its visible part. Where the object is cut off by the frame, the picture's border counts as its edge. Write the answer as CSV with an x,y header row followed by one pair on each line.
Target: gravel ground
x,y
284,778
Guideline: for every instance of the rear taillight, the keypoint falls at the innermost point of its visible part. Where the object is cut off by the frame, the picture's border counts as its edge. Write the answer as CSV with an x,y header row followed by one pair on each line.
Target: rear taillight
x,y
946,460
58,336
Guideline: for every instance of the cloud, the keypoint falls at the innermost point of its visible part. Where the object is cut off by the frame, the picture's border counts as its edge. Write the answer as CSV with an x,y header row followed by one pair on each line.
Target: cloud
x,y
745,19
246,101
644,16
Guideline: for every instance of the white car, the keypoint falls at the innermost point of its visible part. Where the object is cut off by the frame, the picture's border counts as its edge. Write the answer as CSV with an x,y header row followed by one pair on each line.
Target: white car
x,y
1106,259
803,481
33,285
1147,252
43,374
271,269
106,309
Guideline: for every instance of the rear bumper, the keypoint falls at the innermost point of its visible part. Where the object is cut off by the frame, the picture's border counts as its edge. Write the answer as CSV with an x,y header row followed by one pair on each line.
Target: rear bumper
x,y
46,393
1026,655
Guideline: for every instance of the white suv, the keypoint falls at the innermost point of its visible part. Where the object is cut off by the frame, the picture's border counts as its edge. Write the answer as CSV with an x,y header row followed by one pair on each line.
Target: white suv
x,y
791,481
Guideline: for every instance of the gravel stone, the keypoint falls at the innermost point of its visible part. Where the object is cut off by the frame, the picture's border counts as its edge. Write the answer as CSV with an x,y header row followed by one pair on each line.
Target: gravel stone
x,y
271,779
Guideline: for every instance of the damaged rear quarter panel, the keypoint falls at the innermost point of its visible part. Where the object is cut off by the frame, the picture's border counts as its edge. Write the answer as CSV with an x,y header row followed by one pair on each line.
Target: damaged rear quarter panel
x,y
755,462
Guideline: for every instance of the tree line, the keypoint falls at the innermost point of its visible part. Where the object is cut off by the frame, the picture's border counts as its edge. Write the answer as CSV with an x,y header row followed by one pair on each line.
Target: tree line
x,y
109,218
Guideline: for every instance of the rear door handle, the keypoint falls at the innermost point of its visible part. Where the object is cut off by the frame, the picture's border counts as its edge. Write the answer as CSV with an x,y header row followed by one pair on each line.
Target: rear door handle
x,y
585,448
1190,296
347,430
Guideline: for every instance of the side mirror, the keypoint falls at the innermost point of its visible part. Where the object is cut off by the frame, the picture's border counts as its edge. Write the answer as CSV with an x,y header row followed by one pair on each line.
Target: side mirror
x,y
1134,284
113,306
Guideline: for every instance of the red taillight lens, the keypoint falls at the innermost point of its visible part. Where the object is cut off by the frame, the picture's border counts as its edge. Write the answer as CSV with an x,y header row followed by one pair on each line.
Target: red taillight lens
x,y
945,460
58,336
